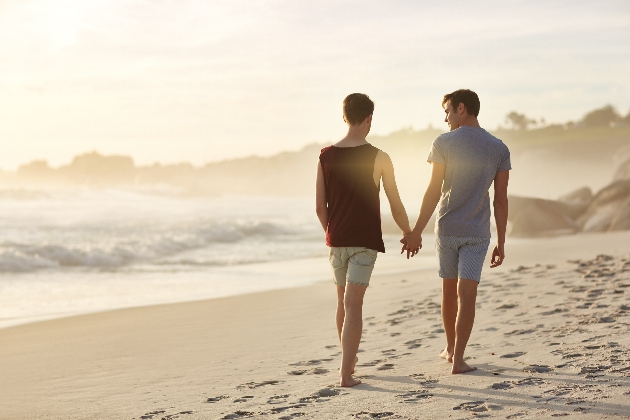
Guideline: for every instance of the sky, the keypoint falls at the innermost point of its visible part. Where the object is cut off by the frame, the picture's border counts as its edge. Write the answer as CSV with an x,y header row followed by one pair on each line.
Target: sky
x,y
201,81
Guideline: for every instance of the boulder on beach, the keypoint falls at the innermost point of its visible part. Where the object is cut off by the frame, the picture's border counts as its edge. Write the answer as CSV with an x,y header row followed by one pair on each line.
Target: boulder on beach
x,y
538,217
582,195
609,210
623,172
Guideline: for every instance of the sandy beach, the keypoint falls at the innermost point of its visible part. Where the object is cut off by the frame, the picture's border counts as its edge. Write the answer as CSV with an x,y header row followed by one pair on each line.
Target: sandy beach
x,y
551,339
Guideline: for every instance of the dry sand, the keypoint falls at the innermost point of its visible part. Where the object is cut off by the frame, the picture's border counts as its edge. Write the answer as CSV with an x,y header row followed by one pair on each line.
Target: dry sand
x,y
552,338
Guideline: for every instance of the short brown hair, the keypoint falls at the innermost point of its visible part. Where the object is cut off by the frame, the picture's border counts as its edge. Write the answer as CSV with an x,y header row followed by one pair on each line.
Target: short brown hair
x,y
357,107
466,97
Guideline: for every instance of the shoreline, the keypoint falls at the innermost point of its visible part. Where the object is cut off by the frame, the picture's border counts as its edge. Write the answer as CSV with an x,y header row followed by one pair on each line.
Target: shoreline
x,y
280,346
390,263
60,295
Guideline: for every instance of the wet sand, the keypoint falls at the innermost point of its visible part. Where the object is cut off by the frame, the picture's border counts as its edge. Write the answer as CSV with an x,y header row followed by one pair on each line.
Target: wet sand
x,y
551,339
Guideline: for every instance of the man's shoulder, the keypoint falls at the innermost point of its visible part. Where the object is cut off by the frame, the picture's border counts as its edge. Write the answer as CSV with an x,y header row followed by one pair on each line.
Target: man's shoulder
x,y
325,149
443,138
497,141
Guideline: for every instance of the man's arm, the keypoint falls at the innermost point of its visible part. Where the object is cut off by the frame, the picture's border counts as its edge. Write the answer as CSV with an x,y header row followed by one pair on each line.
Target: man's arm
x,y
384,162
413,241
321,207
500,216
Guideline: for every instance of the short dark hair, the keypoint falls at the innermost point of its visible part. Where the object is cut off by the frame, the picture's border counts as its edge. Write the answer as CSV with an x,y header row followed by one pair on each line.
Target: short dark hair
x,y
357,107
466,97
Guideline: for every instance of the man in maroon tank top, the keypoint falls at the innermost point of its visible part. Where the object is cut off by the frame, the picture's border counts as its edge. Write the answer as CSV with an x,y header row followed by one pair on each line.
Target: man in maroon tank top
x,y
349,176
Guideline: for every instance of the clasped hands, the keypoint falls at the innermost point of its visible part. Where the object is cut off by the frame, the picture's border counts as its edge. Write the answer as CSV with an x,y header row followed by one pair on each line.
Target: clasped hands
x,y
412,242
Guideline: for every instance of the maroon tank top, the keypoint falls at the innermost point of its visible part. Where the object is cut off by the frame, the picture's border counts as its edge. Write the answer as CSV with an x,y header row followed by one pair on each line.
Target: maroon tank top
x,y
354,213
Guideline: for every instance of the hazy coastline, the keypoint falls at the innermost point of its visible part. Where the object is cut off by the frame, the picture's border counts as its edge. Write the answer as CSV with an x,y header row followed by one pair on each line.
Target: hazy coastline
x,y
550,163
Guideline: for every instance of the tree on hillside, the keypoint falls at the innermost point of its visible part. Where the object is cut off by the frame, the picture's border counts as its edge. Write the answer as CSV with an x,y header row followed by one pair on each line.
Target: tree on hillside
x,y
519,121
601,117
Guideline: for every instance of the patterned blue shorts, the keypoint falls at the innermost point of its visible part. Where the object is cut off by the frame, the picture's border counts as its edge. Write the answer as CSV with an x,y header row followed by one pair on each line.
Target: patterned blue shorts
x,y
461,257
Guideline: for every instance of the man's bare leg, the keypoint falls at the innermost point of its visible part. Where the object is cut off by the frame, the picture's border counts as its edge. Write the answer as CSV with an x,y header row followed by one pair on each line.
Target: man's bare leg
x,y
341,315
467,294
351,332
449,315
341,312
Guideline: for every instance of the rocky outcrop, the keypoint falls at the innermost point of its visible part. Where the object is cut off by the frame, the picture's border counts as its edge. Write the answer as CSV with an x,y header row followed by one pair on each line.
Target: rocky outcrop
x,y
623,172
578,211
609,210
583,195
538,217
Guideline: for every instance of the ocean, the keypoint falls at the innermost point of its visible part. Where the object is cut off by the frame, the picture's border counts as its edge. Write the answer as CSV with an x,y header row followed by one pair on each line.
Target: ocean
x,y
72,252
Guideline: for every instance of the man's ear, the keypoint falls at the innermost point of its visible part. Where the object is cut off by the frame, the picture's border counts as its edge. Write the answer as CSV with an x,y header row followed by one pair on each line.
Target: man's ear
x,y
461,108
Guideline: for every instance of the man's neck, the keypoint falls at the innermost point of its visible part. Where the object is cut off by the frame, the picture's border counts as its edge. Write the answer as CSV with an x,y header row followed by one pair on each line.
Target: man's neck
x,y
469,121
356,135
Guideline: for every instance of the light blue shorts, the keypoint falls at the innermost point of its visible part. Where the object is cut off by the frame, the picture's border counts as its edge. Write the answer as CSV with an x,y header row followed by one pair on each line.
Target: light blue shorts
x,y
461,257
352,265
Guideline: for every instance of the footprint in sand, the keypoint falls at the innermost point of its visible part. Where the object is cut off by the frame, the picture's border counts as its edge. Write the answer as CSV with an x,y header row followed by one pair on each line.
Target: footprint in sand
x,y
521,382
310,362
516,415
372,363
237,415
244,398
502,385
519,332
508,306
152,414
278,410
529,381
537,369
278,399
413,344
415,396
474,406
513,355
591,371
386,366
571,355
423,380
252,385
398,356
292,416
217,399
369,415
322,393
325,392
315,371
555,311
176,415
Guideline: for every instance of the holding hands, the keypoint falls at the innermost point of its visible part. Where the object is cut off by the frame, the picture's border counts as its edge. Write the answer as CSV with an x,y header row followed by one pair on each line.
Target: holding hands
x,y
412,243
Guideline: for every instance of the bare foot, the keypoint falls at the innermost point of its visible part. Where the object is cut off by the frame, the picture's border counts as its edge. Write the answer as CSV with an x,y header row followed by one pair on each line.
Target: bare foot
x,y
462,367
446,355
349,382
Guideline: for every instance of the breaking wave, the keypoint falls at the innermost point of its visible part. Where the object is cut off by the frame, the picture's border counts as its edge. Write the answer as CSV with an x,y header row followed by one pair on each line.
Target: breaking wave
x,y
110,250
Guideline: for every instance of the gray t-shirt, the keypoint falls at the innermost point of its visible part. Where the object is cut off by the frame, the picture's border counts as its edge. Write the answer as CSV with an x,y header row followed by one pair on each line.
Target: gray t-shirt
x,y
472,157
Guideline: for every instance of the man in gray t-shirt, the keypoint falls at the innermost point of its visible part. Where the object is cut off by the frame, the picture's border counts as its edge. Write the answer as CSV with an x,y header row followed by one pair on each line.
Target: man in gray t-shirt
x,y
466,162
472,158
